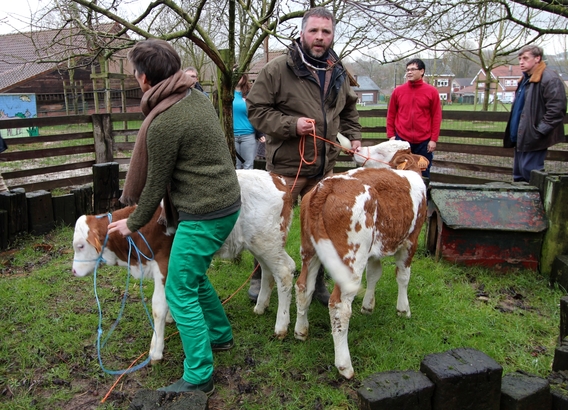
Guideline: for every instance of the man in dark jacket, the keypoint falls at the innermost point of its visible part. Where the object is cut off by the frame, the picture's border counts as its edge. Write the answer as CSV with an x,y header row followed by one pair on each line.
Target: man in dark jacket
x,y
537,116
293,93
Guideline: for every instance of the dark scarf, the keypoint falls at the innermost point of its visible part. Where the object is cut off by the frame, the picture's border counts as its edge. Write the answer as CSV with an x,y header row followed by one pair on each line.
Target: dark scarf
x,y
154,101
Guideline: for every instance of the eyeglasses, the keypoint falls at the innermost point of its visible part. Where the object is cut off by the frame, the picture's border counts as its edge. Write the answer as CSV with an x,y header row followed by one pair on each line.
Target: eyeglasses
x,y
409,70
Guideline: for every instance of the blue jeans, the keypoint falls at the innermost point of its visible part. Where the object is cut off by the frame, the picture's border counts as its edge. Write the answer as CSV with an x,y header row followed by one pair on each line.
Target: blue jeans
x,y
246,147
421,149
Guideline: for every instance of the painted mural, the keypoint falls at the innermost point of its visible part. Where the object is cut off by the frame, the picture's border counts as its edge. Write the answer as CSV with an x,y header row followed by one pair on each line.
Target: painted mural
x,y
18,106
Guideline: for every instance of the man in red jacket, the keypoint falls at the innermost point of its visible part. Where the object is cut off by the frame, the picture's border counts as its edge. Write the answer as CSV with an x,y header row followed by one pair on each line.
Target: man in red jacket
x,y
415,113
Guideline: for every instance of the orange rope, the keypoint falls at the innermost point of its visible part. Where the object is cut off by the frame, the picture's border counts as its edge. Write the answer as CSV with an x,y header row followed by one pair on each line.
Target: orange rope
x,y
175,333
302,145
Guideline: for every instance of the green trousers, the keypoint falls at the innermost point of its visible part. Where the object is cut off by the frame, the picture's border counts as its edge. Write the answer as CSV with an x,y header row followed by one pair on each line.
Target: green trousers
x,y
193,302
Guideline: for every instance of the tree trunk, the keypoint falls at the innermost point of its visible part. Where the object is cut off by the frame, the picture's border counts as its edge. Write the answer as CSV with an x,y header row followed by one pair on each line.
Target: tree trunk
x,y
227,116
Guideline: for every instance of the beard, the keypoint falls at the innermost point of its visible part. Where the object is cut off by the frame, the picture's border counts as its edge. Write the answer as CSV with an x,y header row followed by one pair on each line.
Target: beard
x,y
314,54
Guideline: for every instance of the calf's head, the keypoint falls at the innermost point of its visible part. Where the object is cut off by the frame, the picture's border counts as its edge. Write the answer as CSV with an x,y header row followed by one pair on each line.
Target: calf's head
x,y
380,155
87,247
391,154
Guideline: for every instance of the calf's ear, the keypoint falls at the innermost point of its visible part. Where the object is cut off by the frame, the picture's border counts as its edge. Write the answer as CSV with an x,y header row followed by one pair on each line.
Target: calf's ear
x,y
423,163
94,241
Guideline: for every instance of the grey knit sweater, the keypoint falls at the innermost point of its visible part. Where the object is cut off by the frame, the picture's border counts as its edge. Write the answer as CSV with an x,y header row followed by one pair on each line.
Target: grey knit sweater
x,y
187,148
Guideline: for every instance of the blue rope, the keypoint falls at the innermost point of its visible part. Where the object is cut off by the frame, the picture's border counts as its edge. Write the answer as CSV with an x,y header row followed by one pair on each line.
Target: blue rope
x,y
100,345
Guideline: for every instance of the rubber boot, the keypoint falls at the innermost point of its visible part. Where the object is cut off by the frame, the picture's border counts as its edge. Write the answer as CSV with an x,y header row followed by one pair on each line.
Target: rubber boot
x,y
254,287
321,293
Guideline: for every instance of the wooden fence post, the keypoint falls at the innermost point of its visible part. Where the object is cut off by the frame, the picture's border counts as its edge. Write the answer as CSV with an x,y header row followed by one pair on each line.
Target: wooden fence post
x,y
3,229
40,212
106,189
555,242
104,141
83,200
14,201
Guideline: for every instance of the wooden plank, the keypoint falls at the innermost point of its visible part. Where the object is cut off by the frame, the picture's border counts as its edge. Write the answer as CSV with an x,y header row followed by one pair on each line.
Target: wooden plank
x,y
47,152
457,179
45,121
50,138
474,149
472,134
123,146
127,116
124,132
55,183
47,170
472,167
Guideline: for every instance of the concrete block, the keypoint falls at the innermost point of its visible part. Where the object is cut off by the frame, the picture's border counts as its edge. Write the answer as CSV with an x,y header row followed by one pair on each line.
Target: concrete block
x,y
465,379
408,390
520,391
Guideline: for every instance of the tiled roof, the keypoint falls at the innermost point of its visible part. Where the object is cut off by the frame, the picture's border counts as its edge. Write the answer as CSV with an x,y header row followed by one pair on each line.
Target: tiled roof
x,y
365,84
463,82
26,55
507,71
256,67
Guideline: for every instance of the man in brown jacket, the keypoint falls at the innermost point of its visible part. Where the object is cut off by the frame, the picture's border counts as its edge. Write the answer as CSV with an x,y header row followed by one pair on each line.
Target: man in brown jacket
x,y
307,85
537,116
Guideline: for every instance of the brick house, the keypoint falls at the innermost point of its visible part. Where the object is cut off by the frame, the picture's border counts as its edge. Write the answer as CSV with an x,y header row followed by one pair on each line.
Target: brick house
x,y
440,76
503,85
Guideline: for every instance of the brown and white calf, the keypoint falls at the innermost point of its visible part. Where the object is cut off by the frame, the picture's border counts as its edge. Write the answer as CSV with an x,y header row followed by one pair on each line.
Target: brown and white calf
x,y
349,222
262,229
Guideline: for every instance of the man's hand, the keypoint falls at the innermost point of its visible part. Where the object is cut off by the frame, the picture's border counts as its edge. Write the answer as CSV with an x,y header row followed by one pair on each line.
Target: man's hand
x,y
305,126
355,145
431,146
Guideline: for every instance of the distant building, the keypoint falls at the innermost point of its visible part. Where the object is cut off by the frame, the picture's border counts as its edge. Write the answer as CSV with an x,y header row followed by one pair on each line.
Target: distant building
x,y
504,82
439,75
56,66
367,91
261,62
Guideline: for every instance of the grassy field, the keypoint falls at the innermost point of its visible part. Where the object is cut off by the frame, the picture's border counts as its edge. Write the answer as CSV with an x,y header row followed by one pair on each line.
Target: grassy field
x,y
49,360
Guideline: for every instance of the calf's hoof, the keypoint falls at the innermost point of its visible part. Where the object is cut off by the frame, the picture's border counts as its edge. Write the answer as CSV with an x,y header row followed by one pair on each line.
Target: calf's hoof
x,y
402,313
303,336
280,335
346,372
259,310
366,311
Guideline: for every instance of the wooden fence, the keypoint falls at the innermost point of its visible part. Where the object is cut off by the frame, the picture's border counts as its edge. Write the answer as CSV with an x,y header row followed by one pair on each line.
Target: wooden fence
x,y
62,156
